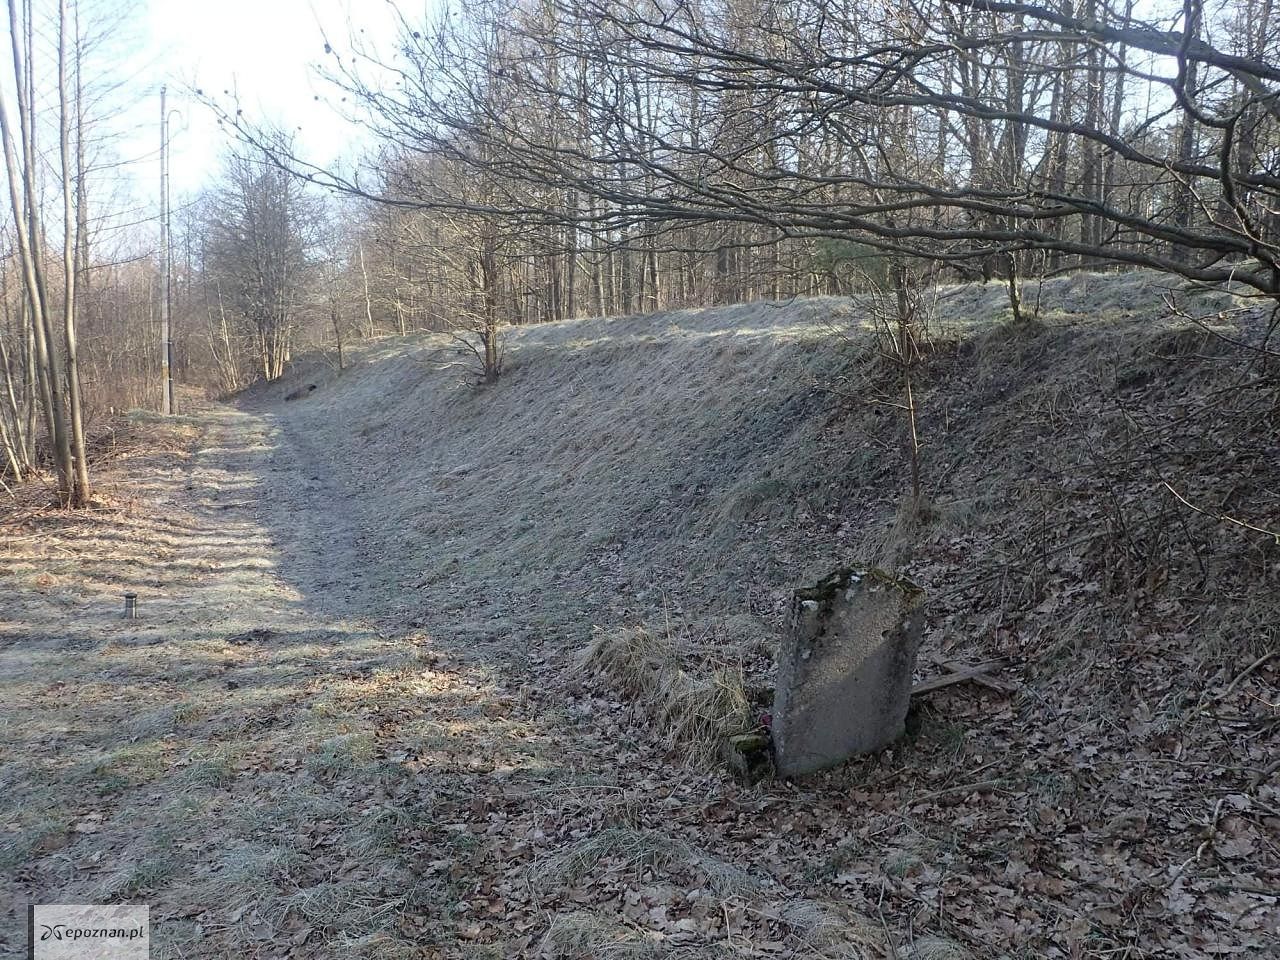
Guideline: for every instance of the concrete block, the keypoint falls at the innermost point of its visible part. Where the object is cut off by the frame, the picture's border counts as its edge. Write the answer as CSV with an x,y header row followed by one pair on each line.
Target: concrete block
x,y
845,668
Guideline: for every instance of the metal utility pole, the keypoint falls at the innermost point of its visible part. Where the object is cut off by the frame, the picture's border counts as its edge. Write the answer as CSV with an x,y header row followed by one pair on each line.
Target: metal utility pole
x,y
166,328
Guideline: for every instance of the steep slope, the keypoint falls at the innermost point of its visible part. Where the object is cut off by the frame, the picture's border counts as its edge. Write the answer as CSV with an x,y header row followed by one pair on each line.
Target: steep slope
x,y
714,459
615,458
1100,487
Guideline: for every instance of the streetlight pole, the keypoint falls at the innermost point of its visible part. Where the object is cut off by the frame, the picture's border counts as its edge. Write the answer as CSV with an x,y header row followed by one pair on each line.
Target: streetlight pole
x,y
166,326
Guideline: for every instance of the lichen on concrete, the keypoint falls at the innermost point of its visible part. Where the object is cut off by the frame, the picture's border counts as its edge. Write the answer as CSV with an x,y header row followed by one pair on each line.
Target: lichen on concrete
x,y
845,668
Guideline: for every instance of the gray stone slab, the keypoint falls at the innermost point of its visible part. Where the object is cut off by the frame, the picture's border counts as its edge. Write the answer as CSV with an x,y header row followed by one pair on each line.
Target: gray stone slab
x,y
845,668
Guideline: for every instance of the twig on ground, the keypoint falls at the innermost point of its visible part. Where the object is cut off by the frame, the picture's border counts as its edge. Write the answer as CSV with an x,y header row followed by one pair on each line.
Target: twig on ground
x,y
1244,675
976,673
1211,832
1219,516
888,936
960,788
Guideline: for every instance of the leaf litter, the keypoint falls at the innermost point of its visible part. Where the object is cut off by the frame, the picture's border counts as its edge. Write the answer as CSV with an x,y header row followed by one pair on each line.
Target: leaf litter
x,y
351,784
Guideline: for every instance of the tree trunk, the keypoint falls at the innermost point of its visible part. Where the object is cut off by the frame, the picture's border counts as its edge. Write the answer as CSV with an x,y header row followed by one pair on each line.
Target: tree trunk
x,y
368,304
336,317
22,199
81,492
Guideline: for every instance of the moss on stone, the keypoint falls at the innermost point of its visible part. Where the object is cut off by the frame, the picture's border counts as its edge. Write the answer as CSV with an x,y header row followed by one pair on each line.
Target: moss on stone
x,y
826,589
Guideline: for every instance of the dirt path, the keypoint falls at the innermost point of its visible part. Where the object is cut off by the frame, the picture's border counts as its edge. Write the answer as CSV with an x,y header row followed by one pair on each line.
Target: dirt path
x,y
307,748
226,758
280,765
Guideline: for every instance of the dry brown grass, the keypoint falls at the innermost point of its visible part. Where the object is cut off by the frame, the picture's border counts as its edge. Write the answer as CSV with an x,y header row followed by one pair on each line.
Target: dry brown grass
x,y
686,460
696,711
637,851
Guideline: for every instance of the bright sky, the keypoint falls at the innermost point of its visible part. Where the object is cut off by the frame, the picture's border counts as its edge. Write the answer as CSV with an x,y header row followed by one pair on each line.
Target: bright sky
x,y
267,51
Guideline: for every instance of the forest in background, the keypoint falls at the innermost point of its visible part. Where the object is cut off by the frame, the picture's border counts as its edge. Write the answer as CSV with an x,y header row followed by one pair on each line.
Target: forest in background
x,y
448,619
537,161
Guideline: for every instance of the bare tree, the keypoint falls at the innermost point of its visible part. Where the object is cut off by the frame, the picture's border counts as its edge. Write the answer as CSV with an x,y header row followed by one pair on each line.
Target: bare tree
x,y
71,173
343,291
261,227
763,124
55,357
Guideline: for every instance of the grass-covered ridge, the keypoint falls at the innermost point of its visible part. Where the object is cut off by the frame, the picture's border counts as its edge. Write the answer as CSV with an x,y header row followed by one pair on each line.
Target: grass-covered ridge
x,y
353,718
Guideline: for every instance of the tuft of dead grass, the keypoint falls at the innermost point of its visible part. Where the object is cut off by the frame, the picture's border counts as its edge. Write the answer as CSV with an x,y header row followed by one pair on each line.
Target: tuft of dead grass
x,y
697,711
585,936
634,659
701,712
639,850
937,948
826,930
810,929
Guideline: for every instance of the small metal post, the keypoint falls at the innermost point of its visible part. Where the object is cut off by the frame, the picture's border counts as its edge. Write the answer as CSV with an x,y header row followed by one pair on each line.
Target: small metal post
x,y
131,606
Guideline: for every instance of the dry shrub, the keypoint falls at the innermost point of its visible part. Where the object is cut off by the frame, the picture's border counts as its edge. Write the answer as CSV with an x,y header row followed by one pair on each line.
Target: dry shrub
x,y
697,712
